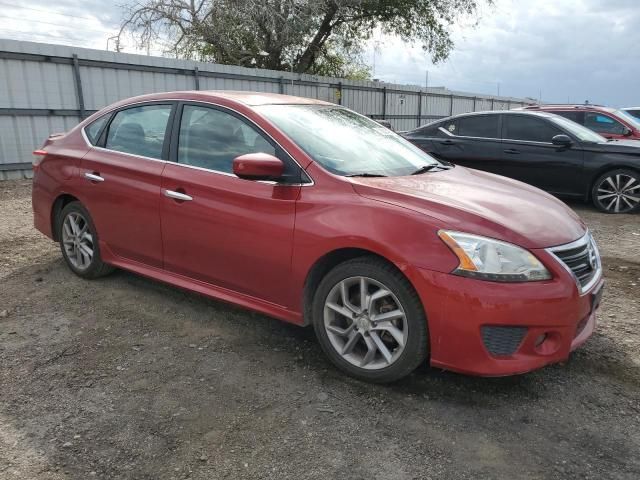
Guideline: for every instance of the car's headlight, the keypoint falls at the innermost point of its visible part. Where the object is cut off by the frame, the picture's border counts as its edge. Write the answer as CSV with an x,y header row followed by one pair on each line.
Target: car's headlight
x,y
489,259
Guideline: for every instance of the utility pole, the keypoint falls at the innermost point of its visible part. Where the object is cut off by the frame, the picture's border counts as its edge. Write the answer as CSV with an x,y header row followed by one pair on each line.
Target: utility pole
x,y
426,80
498,88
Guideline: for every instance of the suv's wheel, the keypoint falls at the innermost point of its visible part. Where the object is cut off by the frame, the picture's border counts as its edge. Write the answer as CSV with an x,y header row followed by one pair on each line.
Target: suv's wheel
x,y
370,321
79,242
617,191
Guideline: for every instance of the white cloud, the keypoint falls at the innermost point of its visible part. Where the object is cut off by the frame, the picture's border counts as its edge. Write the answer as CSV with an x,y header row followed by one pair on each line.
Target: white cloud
x,y
570,50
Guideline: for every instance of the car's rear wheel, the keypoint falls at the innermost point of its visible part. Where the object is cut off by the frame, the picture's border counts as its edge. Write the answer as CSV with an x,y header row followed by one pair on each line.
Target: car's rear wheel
x,y
370,321
79,242
617,191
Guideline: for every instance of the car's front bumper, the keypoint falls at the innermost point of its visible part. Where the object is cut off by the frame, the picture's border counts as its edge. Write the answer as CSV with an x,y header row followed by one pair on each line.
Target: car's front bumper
x,y
495,329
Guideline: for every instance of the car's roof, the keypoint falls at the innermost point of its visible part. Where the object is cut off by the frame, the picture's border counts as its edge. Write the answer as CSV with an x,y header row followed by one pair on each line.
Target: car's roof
x,y
538,113
577,106
631,108
244,97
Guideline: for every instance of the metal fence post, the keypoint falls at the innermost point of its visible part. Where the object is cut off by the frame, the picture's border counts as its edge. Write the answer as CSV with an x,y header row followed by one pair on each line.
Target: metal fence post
x,y
196,77
475,100
384,103
339,93
451,109
493,104
419,108
78,85
281,84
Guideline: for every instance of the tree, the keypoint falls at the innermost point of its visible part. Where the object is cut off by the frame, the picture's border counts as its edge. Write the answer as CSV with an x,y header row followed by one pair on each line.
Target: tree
x,y
305,36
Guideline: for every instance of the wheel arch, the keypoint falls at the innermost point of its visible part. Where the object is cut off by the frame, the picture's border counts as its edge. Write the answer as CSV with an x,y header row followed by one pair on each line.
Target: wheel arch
x,y
328,261
59,203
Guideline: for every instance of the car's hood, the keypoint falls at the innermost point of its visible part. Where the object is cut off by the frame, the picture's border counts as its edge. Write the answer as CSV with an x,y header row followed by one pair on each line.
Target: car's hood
x,y
477,202
630,147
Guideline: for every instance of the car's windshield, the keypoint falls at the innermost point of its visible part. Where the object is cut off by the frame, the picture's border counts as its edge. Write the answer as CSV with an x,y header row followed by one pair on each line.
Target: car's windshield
x,y
629,118
583,133
346,143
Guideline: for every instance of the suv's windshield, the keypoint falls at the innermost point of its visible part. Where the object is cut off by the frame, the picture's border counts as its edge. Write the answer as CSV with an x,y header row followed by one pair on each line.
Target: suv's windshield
x,y
346,143
583,133
629,118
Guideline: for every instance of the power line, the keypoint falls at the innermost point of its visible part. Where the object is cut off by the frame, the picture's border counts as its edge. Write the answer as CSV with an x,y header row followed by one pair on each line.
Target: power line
x,y
54,24
46,11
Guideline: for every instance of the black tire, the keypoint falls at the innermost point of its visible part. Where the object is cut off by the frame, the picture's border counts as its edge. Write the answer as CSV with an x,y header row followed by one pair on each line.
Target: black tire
x,y
605,191
96,267
416,346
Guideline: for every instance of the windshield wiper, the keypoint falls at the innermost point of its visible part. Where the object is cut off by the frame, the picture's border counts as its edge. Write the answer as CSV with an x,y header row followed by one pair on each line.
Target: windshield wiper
x,y
430,167
365,174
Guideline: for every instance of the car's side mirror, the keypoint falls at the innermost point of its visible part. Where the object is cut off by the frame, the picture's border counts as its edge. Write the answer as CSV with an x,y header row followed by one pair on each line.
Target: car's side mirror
x,y
627,132
258,166
562,140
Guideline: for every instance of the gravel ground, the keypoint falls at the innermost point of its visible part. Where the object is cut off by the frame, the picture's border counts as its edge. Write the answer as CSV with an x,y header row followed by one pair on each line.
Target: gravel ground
x,y
125,377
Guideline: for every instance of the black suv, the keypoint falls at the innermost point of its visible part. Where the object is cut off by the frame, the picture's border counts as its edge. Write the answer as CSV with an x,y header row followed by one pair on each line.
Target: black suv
x,y
542,149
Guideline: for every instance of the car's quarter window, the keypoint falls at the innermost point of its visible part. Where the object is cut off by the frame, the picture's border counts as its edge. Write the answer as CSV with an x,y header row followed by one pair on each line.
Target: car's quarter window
x,y
528,128
212,138
139,130
603,124
94,129
482,126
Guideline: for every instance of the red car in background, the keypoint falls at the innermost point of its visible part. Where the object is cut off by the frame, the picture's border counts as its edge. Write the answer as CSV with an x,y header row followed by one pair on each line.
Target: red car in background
x,y
316,215
608,122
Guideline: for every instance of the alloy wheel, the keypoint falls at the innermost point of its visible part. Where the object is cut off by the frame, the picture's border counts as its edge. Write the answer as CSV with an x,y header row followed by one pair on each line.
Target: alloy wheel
x,y
619,193
77,240
365,323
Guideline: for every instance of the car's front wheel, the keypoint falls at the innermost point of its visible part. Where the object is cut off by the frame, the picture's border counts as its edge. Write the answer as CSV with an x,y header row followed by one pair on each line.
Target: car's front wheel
x,y
79,242
370,321
617,191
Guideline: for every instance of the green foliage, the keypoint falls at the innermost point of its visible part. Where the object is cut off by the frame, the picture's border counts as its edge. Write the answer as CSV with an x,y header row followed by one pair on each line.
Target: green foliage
x,y
323,37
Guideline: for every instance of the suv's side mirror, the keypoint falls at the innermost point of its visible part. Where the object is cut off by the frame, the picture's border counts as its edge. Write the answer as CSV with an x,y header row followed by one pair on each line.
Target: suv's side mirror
x,y
562,141
258,166
627,132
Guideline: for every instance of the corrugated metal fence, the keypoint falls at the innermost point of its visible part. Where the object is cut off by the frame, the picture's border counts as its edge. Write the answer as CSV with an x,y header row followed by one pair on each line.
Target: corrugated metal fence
x,y
49,88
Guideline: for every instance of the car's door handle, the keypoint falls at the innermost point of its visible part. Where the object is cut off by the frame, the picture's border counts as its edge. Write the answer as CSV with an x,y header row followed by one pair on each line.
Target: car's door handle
x,y
93,177
447,142
512,151
183,197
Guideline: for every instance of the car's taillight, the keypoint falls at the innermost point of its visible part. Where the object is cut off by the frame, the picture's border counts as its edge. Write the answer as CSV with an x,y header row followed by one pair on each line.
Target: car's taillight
x,y
38,155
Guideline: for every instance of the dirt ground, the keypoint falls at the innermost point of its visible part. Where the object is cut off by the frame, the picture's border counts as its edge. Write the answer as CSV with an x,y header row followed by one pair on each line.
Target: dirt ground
x,y
124,377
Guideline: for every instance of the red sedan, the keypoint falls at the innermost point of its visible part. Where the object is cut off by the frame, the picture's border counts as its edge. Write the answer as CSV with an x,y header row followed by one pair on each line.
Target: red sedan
x,y
314,214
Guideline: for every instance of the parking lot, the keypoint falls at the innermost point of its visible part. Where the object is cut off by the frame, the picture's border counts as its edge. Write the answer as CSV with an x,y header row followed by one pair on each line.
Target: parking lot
x,y
125,377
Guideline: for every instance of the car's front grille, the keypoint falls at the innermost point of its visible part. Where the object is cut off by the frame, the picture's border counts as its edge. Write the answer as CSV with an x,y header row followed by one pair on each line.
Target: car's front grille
x,y
582,259
501,341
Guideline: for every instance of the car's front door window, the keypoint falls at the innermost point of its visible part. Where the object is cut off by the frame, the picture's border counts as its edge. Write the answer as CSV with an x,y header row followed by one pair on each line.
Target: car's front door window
x,y
603,124
528,128
211,138
139,130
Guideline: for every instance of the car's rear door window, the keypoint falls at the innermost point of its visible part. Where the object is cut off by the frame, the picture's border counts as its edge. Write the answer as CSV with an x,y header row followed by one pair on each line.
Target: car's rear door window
x,y
528,128
139,130
211,138
601,123
572,115
481,126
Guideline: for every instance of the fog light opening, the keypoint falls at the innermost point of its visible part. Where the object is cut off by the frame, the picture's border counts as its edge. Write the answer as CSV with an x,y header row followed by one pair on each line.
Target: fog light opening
x,y
547,343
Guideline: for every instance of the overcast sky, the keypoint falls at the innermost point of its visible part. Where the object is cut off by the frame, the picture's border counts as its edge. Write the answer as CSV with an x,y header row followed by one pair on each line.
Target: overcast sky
x,y
569,50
